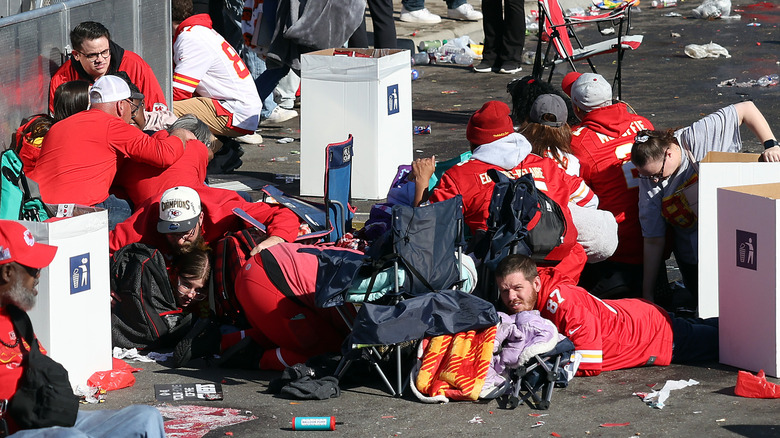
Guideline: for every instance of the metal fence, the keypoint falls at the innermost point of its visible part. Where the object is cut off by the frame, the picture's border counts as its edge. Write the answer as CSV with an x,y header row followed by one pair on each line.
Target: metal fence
x,y
34,42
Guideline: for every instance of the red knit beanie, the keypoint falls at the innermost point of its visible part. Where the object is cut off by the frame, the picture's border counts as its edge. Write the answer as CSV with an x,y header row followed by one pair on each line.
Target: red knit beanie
x,y
489,123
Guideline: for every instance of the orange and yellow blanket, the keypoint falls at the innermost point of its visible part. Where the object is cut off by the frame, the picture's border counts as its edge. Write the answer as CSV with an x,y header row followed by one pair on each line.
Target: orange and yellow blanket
x,y
455,366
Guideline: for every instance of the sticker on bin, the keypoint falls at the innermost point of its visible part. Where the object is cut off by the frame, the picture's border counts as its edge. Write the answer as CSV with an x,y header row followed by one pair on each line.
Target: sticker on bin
x,y
747,249
393,106
80,274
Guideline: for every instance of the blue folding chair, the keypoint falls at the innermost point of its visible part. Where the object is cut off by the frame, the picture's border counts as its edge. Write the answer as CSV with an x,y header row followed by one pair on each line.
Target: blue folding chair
x,y
330,220
338,188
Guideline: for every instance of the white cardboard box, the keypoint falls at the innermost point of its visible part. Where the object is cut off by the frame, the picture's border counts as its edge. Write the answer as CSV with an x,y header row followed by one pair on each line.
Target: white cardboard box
x,y
749,277
721,169
72,316
370,98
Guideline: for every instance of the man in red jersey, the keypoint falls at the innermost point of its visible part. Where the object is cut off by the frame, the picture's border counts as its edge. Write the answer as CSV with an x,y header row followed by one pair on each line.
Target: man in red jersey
x,y
608,334
602,143
183,218
495,145
95,55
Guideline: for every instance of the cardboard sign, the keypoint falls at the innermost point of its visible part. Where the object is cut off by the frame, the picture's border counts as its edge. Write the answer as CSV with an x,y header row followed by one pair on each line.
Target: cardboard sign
x,y
188,392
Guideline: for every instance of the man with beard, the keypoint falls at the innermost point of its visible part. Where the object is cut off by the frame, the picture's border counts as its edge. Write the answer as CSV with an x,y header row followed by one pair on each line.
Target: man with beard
x,y
608,334
21,261
184,218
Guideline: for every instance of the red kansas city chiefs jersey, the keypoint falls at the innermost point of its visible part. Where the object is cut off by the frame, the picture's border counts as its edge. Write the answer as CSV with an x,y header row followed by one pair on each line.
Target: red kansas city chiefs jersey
x,y
609,334
603,145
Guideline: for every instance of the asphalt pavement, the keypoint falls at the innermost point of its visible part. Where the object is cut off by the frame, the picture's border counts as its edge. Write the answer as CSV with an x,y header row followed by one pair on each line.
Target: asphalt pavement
x,y
659,82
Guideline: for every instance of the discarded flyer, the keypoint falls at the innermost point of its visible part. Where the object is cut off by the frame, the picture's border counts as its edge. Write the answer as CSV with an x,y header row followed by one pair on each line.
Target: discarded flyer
x,y
656,399
188,391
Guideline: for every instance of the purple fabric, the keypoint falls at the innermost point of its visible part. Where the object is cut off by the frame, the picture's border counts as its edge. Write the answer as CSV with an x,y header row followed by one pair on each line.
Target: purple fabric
x,y
521,336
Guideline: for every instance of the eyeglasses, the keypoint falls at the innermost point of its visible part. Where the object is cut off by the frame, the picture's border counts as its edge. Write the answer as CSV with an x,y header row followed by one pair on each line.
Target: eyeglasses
x,y
657,177
94,56
33,272
190,292
135,107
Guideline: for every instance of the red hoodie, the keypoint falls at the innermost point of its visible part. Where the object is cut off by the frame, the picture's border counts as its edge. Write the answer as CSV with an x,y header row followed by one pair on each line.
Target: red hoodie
x,y
602,142
610,334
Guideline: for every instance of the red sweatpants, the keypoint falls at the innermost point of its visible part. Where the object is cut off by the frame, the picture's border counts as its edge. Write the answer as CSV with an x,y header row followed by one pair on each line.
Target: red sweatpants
x,y
290,333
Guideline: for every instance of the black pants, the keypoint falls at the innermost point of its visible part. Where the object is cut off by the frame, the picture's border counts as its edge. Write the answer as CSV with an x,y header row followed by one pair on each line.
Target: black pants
x,y
504,26
384,27
695,339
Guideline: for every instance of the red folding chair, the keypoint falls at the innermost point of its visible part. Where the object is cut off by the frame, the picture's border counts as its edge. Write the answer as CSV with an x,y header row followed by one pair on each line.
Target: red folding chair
x,y
565,46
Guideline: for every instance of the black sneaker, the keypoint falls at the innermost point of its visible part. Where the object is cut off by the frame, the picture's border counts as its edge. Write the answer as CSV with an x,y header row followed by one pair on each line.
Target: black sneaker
x,y
510,68
483,67
202,340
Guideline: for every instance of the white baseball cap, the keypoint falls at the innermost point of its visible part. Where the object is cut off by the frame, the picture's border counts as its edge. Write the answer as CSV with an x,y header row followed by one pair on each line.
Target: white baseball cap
x,y
179,210
591,91
108,88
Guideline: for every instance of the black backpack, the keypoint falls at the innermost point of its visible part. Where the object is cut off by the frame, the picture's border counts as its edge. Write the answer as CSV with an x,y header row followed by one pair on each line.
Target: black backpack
x,y
513,205
147,316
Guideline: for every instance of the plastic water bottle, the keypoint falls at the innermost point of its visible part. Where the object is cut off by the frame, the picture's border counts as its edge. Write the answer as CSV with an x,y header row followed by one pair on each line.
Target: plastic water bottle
x,y
663,4
768,80
459,58
416,74
462,59
421,58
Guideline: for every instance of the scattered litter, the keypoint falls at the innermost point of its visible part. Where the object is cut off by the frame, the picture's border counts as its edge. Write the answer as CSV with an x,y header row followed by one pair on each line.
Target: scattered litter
x,y
656,399
672,14
449,92
537,415
477,420
278,159
388,416
295,152
538,424
697,412
712,9
608,31
754,24
229,433
711,50
720,420
763,81
756,386
421,130
555,435
285,140
89,394
130,354
613,424
675,35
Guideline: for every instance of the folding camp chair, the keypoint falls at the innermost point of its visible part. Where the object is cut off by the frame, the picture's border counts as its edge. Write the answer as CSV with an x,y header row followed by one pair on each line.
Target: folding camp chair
x,y
533,382
423,242
333,218
558,29
338,188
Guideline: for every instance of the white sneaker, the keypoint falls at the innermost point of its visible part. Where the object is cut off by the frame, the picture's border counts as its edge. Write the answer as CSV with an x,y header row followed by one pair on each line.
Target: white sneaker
x,y
421,16
254,138
279,115
464,12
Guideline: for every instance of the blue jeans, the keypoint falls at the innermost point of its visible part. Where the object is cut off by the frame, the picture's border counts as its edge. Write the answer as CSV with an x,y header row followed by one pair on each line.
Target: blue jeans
x,y
416,5
132,421
118,210
695,339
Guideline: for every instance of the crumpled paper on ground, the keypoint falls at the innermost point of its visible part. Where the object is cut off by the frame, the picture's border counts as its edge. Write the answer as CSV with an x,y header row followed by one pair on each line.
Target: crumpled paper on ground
x,y
756,386
711,50
129,354
656,399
